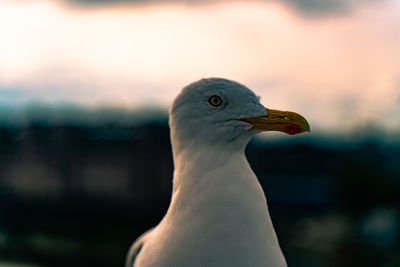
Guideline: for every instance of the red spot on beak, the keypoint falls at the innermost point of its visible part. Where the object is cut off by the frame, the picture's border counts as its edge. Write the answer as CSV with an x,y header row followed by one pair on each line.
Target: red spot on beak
x,y
292,129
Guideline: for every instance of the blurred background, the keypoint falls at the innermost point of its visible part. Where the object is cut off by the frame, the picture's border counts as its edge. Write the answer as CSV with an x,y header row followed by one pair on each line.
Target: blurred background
x,y
85,156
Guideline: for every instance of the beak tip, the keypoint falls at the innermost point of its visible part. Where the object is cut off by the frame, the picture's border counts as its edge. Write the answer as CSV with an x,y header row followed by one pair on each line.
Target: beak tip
x,y
294,129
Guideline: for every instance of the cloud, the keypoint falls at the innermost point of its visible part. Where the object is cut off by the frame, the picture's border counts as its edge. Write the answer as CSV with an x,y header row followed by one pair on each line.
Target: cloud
x,y
318,7
307,7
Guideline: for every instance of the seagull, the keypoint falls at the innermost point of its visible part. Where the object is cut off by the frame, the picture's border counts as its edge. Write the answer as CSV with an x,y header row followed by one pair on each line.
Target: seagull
x,y
218,215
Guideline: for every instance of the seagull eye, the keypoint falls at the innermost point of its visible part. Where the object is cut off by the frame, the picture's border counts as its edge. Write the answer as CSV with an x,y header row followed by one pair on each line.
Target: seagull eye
x,y
215,100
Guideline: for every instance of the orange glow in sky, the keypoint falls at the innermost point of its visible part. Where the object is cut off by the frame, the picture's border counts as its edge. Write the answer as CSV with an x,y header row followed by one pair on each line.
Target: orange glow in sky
x,y
339,70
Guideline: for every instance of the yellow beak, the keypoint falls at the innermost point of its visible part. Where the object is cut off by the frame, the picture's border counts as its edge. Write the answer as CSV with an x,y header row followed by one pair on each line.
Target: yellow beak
x,y
282,121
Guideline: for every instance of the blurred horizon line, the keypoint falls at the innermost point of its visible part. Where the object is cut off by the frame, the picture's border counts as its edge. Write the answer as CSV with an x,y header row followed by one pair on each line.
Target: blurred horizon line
x,y
70,114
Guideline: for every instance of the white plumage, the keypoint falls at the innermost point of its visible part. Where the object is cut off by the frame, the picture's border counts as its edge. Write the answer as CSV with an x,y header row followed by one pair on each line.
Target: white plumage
x,y
218,214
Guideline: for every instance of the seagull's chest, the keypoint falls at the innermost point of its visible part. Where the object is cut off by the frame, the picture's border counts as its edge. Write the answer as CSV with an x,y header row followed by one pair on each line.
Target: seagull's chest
x,y
214,227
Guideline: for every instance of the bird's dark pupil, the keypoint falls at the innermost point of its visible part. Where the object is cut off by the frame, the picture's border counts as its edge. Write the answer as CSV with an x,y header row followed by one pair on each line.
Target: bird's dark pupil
x,y
215,100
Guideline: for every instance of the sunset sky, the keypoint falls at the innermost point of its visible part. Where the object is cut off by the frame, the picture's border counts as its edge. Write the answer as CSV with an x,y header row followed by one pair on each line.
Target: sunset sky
x,y
335,62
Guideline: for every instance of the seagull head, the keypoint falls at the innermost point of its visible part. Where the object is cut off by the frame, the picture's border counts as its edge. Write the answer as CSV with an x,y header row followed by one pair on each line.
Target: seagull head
x,y
225,114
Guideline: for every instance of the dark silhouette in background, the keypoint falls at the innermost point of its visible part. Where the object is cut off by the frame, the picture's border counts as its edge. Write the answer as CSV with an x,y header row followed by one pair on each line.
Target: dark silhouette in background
x,y
77,195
